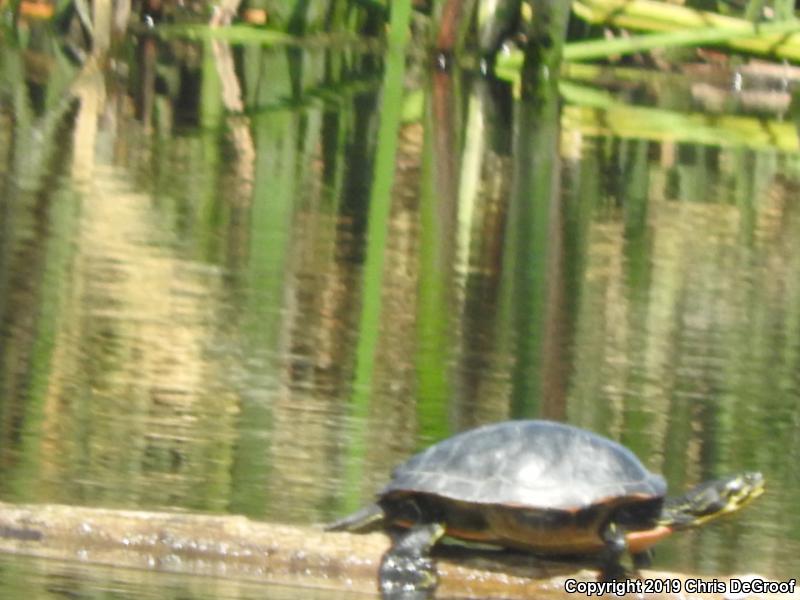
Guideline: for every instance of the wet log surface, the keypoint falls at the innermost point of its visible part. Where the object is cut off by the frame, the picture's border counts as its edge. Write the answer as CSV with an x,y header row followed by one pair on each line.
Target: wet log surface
x,y
236,547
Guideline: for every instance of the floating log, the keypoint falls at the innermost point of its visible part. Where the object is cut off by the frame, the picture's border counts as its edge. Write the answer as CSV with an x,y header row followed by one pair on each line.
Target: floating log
x,y
236,547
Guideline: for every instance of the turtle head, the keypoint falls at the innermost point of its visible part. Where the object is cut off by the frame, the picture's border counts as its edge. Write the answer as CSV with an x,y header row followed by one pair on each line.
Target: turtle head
x,y
712,499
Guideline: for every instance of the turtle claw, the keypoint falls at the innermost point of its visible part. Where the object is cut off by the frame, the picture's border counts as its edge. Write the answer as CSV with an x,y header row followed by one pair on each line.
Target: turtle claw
x,y
407,571
613,572
643,560
407,578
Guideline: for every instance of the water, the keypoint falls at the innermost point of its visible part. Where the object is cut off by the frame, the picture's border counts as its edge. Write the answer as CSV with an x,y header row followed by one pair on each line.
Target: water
x,y
39,578
223,313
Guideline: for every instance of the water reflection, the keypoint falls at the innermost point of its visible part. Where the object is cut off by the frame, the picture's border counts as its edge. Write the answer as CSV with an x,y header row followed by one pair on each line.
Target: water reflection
x,y
25,577
186,293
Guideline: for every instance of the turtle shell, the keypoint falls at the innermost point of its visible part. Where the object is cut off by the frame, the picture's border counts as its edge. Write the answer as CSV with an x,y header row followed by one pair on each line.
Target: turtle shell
x,y
540,465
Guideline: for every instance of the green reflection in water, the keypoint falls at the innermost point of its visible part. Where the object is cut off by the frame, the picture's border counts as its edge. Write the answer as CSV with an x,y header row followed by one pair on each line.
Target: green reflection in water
x,y
379,206
533,246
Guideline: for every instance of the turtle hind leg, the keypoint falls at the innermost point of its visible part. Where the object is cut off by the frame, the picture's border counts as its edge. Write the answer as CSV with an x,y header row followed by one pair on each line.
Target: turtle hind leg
x,y
407,571
367,519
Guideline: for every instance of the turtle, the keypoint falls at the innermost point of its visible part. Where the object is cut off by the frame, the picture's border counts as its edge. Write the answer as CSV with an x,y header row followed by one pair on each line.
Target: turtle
x,y
543,487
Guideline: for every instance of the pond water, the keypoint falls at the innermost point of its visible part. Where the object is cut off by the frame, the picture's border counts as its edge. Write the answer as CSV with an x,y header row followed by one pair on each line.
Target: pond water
x,y
252,280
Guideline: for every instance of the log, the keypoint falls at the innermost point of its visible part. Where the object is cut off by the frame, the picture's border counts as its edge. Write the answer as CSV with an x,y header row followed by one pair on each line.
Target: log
x,y
236,547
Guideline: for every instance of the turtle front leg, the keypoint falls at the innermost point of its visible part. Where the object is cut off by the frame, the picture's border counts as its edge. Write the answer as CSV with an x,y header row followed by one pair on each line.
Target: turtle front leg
x,y
407,571
610,566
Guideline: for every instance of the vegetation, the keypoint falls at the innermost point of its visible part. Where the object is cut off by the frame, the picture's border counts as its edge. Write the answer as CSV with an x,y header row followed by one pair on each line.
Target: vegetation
x,y
451,28
242,248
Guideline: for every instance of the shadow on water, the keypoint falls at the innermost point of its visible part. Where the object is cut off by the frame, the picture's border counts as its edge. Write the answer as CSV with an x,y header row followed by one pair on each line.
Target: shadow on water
x,y
204,305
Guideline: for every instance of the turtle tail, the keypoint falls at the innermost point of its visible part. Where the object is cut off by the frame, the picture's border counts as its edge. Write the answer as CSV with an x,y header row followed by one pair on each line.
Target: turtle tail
x,y
369,518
